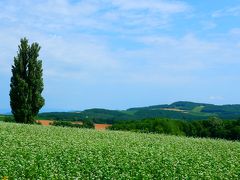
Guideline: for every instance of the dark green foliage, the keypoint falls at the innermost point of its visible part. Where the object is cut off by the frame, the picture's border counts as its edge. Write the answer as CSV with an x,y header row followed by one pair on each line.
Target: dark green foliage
x,y
113,116
163,125
86,124
207,110
147,113
2,117
179,110
224,111
212,128
66,124
95,115
26,83
184,105
8,119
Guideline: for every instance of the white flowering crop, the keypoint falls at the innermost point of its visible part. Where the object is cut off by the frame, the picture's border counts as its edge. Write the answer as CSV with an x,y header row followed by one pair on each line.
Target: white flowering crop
x,y
37,152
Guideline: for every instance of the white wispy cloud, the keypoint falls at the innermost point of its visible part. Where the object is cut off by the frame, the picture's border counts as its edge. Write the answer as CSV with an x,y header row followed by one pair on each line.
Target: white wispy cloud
x,y
207,25
235,31
230,11
57,25
216,98
157,43
72,48
56,15
161,6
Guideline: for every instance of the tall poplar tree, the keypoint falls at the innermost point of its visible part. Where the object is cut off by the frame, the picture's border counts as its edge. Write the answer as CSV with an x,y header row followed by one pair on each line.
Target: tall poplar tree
x,y
26,83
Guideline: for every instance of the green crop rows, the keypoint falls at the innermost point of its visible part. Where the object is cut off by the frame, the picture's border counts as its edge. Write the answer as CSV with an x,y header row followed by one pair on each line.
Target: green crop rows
x,y
37,152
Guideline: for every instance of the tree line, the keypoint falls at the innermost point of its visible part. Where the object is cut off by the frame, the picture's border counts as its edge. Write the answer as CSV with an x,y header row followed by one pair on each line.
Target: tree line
x,y
211,128
84,124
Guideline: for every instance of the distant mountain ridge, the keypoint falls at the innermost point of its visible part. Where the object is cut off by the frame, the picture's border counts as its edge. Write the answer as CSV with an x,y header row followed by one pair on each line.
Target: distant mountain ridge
x,y
182,110
183,105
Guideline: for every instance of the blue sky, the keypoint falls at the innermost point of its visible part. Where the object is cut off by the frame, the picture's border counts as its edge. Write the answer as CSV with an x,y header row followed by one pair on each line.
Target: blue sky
x,y
118,54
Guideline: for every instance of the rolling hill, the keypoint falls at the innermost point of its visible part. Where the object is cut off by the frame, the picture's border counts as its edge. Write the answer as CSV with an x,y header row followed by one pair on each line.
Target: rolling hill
x,y
182,110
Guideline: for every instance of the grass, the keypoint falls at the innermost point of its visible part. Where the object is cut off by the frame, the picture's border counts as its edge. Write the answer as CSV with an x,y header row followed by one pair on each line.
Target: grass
x,y
37,152
129,112
198,109
2,117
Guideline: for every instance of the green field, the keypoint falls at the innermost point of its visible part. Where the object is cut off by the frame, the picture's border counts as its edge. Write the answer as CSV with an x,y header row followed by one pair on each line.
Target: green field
x,y
2,117
198,109
33,151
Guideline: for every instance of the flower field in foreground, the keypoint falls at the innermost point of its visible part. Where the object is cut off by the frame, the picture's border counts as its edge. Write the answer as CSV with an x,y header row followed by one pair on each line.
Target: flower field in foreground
x,y
37,152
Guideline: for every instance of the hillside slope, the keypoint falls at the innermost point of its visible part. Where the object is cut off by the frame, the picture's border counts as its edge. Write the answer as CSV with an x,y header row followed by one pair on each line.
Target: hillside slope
x,y
182,110
32,151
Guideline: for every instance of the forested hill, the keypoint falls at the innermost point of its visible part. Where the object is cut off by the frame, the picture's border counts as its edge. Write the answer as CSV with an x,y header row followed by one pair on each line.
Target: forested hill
x,y
179,110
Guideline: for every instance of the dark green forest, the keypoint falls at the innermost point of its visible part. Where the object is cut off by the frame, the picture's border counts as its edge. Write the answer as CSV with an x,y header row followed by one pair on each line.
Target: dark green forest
x,y
211,128
182,110
85,124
